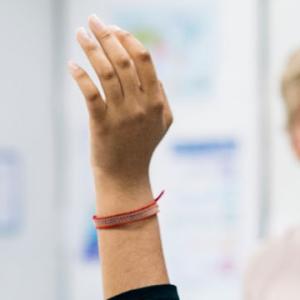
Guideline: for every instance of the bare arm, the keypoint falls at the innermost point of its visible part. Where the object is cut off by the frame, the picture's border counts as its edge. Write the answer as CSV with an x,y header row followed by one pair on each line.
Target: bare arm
x,y
126,125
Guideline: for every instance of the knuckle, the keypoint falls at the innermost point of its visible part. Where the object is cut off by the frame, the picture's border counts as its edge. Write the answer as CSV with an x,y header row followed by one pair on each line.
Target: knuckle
x,y
80,74
144,56
123,62
108,74
125,34
106,35
93,97
139,116
158,105
91,47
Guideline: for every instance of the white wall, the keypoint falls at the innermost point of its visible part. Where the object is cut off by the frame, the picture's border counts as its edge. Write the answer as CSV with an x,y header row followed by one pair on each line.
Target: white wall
x,y
28,252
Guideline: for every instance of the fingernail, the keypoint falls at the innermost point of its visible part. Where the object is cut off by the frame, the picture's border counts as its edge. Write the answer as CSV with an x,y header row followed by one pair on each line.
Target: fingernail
x,y
84,34
73,67
97,22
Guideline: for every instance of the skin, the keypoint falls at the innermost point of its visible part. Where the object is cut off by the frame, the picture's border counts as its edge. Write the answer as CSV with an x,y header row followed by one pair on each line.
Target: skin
x,y
293,94
126,124
295,136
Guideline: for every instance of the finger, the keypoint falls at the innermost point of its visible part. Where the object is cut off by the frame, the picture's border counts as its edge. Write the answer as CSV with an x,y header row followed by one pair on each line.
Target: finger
x,y
118,57
102,66
95,103
141,57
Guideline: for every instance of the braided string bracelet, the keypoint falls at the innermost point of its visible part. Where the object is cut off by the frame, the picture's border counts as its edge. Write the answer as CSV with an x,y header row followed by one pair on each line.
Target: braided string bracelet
x,y
139,214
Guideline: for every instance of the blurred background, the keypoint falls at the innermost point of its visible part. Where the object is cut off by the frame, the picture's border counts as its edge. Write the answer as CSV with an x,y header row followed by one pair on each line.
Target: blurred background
x,y
230,177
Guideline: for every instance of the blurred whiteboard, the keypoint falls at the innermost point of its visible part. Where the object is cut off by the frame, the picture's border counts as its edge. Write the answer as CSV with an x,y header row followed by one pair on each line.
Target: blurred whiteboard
x,y
201,216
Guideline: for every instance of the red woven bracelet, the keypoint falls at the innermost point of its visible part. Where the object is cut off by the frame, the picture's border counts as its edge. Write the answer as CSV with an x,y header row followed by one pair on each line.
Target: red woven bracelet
x,y
139,214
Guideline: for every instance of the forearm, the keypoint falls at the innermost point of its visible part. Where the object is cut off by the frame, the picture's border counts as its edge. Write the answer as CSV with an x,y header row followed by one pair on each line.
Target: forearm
x,y
131,255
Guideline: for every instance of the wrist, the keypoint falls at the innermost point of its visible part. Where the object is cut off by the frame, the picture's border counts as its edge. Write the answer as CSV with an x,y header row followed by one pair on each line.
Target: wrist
x,y
117,194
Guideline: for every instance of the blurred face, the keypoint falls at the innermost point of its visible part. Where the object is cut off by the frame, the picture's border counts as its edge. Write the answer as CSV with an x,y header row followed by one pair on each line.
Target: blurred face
x,y
294,96
295,136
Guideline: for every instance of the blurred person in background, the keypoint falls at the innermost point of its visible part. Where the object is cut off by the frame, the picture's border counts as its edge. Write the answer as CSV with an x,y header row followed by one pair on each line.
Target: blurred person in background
x,y
274,273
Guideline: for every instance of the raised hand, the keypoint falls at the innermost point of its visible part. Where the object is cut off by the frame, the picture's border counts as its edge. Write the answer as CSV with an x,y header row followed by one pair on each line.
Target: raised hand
x,y
133,115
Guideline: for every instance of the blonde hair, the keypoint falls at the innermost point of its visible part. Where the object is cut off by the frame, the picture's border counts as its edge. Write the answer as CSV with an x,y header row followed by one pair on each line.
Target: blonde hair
x,y
291,83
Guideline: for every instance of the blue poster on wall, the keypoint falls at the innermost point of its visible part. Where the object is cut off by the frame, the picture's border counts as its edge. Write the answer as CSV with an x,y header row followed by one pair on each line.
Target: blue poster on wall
x,y
10,191
201,216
